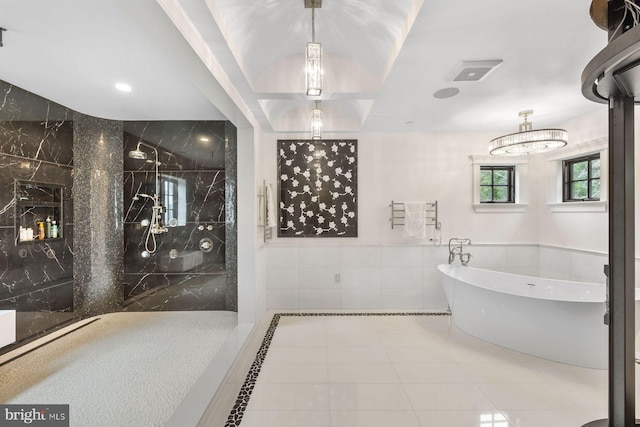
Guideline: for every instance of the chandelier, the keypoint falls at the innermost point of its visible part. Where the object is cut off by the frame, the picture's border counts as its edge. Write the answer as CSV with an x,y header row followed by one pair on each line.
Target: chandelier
x,y
316,122
313,57
527,140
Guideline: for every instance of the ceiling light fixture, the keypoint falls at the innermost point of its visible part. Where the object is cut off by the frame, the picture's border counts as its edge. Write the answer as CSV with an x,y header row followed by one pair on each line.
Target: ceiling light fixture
x,y
313,55
527,140
123,87
316,122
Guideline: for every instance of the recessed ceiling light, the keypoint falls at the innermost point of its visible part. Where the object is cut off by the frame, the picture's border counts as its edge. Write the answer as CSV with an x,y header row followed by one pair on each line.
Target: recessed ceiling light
x,y
204,139
123,87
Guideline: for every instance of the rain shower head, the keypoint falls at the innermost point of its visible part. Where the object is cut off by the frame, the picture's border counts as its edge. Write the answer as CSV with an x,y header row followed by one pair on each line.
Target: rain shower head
x,y
138,154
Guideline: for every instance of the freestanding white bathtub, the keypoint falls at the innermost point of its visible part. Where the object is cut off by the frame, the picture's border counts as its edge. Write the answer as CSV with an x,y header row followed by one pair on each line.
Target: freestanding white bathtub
x,y
553,319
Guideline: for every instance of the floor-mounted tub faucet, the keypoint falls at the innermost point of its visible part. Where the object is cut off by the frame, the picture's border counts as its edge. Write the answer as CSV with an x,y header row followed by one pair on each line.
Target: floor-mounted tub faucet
x,y
455,248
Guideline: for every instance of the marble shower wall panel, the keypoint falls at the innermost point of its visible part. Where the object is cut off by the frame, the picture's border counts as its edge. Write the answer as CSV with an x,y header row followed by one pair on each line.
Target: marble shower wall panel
x,y
231,205
190,254
36,144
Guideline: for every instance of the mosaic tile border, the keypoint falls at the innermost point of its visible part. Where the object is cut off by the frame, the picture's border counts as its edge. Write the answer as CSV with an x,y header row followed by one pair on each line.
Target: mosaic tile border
x,y
237,412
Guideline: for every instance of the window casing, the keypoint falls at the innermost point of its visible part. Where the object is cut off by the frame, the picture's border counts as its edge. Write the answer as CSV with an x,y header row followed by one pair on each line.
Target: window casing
x,y
497,184
581,179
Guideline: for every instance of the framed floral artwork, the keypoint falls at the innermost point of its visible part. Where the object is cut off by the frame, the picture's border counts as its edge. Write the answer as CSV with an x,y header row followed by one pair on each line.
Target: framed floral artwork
x,y
318,188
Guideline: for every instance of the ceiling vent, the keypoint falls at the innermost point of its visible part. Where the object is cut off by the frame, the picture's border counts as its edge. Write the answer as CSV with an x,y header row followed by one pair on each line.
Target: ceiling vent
x,y
473,71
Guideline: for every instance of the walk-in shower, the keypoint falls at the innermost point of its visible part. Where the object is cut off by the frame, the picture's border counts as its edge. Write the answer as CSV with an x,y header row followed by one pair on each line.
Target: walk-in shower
x,y
155,226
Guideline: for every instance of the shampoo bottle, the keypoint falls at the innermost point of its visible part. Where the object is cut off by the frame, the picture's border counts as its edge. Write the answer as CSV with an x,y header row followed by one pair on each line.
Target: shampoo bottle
x,y
54,230
41,230
47,230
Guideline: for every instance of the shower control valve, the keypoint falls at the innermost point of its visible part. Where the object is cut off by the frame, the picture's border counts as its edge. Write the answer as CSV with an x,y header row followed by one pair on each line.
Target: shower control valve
x,y
209,227
201,227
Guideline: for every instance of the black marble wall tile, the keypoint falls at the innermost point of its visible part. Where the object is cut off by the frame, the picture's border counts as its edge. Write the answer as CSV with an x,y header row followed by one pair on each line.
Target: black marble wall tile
x,y
182,145
193,247
36,145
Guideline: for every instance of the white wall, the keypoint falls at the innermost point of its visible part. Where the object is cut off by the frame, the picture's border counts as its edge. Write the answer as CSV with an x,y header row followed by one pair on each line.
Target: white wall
x,y
381,270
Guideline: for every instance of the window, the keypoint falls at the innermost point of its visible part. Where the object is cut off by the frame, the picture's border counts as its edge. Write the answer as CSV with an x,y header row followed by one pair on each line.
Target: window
x,y
581,179
497,184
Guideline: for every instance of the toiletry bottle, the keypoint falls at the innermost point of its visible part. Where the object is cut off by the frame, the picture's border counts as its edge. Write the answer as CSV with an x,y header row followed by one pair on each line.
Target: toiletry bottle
x,y
54,230
41,230
47,230
22,234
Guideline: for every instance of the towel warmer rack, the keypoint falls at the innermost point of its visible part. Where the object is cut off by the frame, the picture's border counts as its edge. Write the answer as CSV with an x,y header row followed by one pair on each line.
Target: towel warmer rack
x,y
263,209
397,214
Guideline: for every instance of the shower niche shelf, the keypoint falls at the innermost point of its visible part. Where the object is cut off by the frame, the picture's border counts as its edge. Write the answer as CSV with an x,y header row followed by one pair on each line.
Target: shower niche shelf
x,y
34,202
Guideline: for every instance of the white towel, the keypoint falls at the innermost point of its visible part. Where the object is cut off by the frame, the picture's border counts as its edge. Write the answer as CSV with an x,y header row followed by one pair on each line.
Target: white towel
x,y
415,226
271,211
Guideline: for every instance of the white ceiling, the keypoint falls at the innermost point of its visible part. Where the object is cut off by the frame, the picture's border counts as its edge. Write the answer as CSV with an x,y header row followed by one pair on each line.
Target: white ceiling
x,y
383,60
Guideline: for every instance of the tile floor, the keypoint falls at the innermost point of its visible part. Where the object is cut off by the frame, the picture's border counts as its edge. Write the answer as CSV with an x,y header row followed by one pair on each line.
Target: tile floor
x,y
410,371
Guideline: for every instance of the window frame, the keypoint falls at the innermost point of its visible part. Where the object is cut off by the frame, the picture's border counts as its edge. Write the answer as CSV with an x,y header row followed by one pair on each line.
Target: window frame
x,y
567,178
511,183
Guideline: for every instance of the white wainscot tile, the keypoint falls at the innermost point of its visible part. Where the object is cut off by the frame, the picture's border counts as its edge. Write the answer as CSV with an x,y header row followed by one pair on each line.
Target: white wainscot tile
x,y
555,263
588,267
282,257
407,257
361,278
282,279
434,297
489,257
522,257
361,257
312,258
402,299
362,298
284,299
319,299
434,256
317,278
393,278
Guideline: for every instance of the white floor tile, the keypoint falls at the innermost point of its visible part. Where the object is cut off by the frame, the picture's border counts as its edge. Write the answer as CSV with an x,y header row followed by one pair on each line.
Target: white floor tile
x,y
357,355
353,340
368,397
464,419
286,419
293,373
532,396
431,373
286,355
362,373
289,397
447,397
499,373
568,418
419,355
374,419
413,371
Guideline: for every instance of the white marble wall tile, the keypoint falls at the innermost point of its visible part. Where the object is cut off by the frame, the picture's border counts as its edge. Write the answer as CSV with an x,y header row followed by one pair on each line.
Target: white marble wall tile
x,y
319,299
402,299
522,256
318,278
361,278
278,257
587,267
283,299
319,257
403,257
394,278
362,299
361,257
488,257
555,263
282,279
434,297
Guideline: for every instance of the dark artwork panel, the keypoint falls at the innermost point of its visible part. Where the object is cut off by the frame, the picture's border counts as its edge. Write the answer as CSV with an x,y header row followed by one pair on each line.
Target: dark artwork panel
x,y
318,188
